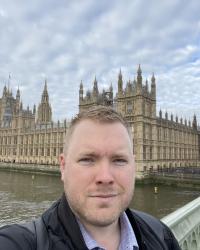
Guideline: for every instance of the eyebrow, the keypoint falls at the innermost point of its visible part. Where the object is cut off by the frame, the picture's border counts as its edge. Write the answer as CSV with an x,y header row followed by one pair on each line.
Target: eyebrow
x,y
96,155
88,154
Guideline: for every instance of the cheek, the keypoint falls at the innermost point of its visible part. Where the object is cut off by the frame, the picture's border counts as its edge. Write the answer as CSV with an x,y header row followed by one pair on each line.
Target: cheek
x,y
126,179
76,178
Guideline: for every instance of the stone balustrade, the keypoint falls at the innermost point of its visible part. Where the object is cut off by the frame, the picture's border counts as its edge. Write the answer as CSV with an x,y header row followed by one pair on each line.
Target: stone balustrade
x,y
185,224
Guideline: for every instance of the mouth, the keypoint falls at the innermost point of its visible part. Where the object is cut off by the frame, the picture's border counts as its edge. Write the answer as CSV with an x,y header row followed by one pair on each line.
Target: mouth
x,y
103,196
103,200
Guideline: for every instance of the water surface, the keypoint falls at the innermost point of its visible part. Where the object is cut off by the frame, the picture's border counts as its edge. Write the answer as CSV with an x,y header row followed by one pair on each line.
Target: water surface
x,y
25,196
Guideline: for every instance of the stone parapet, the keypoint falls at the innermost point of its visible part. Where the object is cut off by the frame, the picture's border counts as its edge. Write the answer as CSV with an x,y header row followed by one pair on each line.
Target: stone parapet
x,y
185,224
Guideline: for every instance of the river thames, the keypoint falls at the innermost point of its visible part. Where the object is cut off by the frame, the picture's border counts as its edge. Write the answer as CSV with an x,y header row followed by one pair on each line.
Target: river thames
x,y
25,196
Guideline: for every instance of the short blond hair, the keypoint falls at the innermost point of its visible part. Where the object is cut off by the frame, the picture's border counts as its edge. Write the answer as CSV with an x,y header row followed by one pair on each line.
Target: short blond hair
x,y
101,114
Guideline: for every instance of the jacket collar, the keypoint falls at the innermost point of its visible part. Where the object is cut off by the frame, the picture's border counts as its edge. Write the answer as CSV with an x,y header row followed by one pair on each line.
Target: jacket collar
x,y
136,228
62,222
70,224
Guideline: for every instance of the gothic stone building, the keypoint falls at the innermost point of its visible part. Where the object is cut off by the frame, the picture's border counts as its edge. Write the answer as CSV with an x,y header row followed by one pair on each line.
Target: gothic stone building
x,y
163,141
29,135
159,141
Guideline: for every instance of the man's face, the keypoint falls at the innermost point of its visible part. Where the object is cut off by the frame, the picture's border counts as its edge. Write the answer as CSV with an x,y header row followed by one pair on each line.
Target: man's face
x,y
98,172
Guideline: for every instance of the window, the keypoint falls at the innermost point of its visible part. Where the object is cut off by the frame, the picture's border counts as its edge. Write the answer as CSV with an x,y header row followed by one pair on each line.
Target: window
x,y
151,155
54,152
158,156
144,152
164,152
42,151
129,107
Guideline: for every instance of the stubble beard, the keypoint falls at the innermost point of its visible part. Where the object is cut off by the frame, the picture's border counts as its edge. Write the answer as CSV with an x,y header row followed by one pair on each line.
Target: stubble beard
x,y
98,216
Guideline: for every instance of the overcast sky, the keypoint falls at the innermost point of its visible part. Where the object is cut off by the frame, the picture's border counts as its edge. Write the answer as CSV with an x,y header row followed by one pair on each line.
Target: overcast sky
x,y
67,41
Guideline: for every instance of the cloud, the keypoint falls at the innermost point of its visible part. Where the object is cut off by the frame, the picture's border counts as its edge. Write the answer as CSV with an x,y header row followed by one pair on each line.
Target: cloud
x,y
69,41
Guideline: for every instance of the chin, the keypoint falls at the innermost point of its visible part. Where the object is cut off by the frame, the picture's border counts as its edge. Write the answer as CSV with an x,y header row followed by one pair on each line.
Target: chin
x,y
104,222
103,218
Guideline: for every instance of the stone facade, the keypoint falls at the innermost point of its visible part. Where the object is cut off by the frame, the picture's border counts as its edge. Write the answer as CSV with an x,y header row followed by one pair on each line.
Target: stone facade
x,y
29,135
162,141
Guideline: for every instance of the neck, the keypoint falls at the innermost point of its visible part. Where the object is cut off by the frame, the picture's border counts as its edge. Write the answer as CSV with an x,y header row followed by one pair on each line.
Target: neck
x,y
107,237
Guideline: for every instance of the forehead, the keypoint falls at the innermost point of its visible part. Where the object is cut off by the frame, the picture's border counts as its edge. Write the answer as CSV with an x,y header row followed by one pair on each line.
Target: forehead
x,y
95,134
88,125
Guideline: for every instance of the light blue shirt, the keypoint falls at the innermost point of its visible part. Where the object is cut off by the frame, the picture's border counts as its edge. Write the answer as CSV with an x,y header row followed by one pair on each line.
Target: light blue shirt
x,y
127,240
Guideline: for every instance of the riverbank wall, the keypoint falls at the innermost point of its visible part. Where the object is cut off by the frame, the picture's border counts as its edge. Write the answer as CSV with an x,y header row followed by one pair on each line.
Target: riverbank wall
x,y
192,182
178,180
31,168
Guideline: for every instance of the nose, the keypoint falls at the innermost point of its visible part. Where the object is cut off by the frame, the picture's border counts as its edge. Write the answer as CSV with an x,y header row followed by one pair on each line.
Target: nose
x,y
104,173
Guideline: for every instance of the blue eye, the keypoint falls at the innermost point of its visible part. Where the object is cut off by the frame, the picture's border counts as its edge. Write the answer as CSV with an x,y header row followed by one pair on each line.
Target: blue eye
x,y
120,161
86,161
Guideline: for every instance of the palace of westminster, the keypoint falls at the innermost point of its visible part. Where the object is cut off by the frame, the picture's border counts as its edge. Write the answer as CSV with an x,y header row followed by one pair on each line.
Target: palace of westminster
x,y
164,141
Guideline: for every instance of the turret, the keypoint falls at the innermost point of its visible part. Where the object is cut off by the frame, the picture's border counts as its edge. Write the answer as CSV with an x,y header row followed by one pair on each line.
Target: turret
x,y
139,76
18,100
18,94
128,87
95,88
185,122
4,91
139,81
34,109
153,87
120,83
111,91
194,123
44,113
45,95
81,92
166,115
160,114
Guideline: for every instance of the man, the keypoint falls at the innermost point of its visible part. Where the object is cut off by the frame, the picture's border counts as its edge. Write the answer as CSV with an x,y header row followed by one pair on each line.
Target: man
x,y
98,172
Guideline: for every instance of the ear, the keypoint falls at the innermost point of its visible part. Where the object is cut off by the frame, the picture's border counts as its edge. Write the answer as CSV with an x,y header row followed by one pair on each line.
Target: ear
x,y
62,165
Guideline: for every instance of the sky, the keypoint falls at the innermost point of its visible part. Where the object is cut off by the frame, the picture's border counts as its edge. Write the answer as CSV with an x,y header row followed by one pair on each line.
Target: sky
x,y
67,41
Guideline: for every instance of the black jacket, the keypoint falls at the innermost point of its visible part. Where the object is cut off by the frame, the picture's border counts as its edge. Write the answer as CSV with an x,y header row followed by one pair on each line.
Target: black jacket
x,y
63,232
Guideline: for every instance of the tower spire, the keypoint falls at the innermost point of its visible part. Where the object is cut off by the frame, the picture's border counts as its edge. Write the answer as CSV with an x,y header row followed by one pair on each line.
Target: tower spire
x,y
194,123
44,113
139,76
120,83
81,91
153,87
18,94
139,81
45,95
95,88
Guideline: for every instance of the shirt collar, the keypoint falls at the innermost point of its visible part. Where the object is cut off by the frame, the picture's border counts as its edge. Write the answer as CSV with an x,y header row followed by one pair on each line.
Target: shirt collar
x,y
128,239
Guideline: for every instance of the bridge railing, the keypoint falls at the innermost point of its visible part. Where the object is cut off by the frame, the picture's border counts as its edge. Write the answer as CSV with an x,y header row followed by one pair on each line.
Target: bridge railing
x,y
185,224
